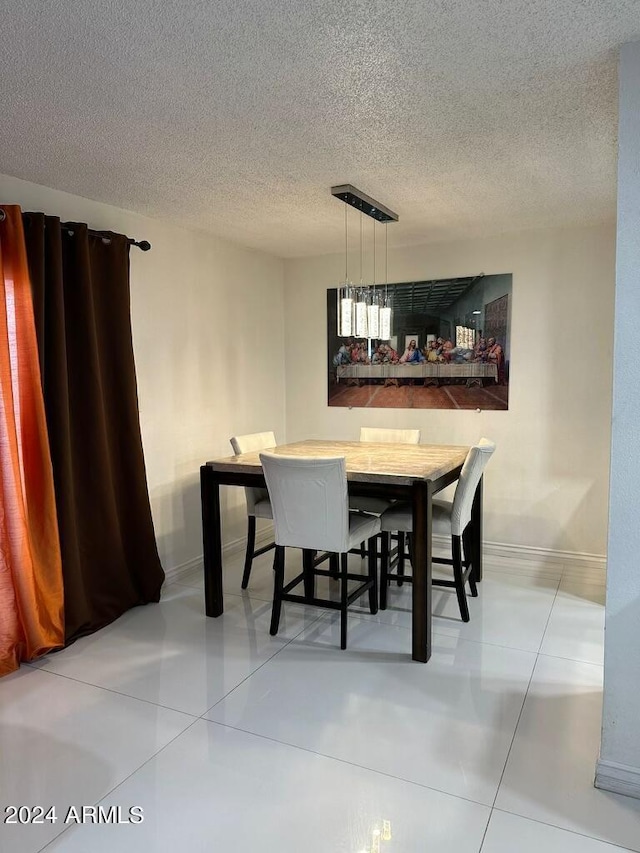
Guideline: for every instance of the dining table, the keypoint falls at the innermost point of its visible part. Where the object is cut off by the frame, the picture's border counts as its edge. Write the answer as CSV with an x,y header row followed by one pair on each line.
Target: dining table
x,y
407,472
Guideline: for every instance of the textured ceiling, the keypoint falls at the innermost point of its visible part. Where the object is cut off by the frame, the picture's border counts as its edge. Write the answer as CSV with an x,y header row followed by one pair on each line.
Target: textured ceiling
x,y
467,118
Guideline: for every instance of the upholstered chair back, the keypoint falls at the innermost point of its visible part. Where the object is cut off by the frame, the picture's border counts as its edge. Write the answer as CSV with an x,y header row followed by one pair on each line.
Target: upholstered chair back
x,y
245,444
309,501
472,470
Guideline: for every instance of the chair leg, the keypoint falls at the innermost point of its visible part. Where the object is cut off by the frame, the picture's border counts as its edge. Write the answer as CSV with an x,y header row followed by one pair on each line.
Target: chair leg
x,y
309,575
373,574
278,583
401,558
467,544
251,544
362,551
384,570
458,576
343,601
334,567
472,586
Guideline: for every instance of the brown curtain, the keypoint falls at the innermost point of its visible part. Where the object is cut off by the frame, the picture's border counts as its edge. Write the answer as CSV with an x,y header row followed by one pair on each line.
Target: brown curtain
x,y
80,284
31,617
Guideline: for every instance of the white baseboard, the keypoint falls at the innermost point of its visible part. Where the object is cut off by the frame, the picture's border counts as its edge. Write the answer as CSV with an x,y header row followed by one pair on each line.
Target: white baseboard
x,y
174,573
263,536
618,778
521,554
592,566
546,555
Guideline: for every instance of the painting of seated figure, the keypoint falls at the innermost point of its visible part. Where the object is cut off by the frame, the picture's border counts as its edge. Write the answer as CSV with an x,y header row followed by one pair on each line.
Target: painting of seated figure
x,y
448,346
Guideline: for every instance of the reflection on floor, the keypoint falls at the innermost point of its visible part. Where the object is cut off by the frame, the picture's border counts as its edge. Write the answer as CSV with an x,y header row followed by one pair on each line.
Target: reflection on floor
x,y
229,739
417,396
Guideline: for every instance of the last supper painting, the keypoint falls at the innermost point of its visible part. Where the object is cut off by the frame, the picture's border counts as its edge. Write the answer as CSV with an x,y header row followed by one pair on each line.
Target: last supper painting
x,y
441,344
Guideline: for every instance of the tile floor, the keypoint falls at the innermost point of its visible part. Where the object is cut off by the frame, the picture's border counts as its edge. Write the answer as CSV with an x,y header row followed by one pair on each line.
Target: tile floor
x,y
232,740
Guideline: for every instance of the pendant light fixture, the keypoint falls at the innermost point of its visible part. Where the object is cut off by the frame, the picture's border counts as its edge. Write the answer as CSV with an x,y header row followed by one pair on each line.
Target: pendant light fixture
x,y
386,312
362,298
373,311
364,311
346,305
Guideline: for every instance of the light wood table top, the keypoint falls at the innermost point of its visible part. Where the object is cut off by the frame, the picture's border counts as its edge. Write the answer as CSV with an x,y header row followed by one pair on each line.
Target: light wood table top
x,y
367,462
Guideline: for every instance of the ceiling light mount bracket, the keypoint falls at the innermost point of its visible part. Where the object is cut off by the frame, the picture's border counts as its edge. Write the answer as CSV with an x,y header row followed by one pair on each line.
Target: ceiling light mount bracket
x,y
364,203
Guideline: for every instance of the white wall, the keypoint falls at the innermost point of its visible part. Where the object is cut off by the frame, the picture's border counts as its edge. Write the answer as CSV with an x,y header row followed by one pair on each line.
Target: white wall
x,y
208,331
547,484
619,765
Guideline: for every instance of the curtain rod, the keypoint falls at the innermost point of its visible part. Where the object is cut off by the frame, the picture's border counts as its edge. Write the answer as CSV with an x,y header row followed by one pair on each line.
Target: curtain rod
x,y
143,245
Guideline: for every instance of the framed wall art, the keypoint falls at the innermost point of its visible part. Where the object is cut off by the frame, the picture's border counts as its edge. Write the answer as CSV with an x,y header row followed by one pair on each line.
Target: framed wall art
x,y
448,346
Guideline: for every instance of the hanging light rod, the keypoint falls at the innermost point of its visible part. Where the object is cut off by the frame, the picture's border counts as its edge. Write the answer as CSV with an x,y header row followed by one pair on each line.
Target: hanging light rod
x,y
364,203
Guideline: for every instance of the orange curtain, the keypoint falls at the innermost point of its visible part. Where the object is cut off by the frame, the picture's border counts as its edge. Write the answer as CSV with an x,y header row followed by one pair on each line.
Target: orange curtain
x,y
31,591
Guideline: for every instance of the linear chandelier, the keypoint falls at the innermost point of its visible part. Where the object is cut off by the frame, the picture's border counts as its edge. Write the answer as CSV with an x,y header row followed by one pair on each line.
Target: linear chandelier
x,y
364,310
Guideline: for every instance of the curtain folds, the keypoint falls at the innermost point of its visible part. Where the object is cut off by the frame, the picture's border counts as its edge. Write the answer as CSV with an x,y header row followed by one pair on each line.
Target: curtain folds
x,y
80,284
31,586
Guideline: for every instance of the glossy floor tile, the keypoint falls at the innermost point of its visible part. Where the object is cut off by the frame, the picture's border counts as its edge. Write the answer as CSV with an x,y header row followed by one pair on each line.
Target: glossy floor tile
x,y
509,833
64,744
220,789
576,626
448,724
311,748
171,654
551,767
510,610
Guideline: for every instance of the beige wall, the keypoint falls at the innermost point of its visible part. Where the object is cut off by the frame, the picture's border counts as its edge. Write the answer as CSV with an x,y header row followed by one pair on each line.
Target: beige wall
x,y
547,485
208,331
211,338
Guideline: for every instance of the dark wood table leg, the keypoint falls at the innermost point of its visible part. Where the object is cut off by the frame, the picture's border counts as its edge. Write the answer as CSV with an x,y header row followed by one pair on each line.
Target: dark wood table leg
x,y
211,541
476,534
422,588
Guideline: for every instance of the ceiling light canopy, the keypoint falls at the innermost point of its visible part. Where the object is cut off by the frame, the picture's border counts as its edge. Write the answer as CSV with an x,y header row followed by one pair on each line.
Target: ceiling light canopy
x,y
364,203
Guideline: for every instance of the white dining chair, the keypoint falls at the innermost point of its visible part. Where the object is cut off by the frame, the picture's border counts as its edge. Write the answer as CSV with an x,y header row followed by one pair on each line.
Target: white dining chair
x,y
310,505
378,505
384,436
448,517
258,504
